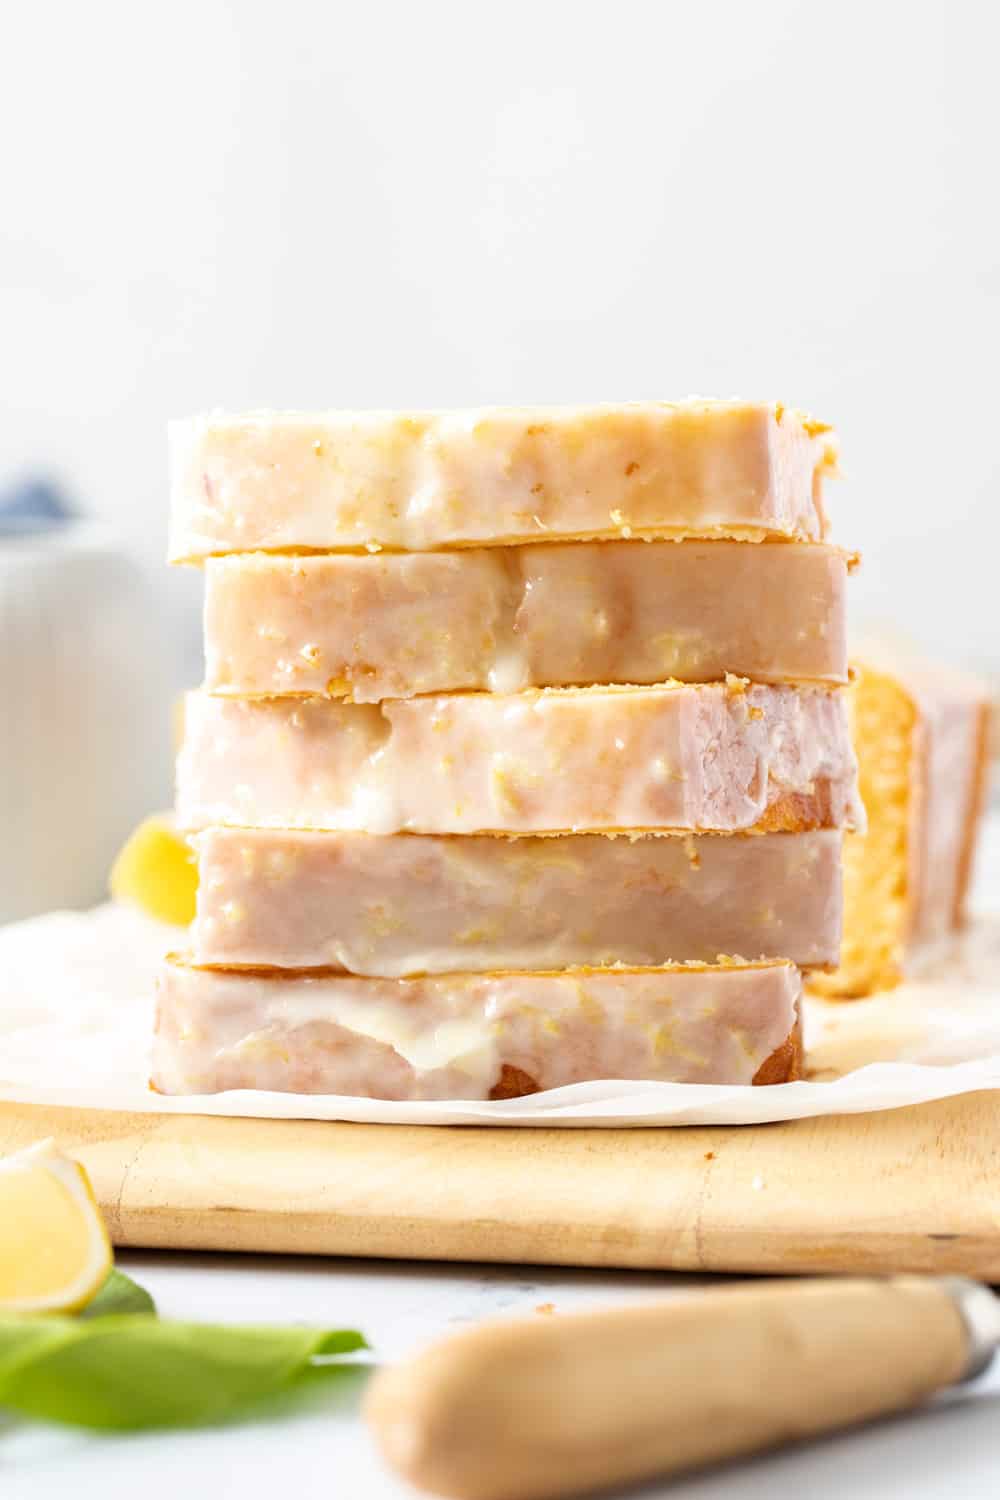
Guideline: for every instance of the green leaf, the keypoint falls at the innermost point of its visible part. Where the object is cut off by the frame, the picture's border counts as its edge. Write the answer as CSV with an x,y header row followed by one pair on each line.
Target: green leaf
x,y
131,1370
27,1338
120,1294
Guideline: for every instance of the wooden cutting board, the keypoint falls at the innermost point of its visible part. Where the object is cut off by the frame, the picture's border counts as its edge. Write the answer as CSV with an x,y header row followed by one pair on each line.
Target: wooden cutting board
x,y
909,1189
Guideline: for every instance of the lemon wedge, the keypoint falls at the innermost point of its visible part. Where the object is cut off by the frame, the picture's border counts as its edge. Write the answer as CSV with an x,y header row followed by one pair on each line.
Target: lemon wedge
x,y
156,872
55,1254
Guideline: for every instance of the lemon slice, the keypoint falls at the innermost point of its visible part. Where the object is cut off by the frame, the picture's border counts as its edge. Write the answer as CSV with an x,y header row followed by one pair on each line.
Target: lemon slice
x,y
54,1249
156,872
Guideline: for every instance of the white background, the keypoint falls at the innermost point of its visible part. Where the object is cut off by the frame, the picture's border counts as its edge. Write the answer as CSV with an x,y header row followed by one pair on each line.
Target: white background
x,y
245,203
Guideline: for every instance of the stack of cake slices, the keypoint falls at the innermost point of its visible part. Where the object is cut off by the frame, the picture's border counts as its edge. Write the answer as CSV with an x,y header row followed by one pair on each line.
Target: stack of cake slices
x,y
522,757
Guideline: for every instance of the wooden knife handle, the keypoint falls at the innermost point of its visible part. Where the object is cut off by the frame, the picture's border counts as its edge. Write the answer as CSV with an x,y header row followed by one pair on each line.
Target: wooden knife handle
x,y
530,1409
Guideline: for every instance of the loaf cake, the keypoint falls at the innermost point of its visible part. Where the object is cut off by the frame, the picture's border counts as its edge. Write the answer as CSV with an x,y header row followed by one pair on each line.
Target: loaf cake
x,y
521,757
921,734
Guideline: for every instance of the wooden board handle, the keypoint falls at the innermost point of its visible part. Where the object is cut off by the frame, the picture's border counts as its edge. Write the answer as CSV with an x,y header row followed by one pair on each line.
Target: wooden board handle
x,y
548,1406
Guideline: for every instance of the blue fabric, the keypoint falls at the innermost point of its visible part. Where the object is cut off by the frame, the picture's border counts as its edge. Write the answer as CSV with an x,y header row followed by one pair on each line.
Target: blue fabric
x,y
34,505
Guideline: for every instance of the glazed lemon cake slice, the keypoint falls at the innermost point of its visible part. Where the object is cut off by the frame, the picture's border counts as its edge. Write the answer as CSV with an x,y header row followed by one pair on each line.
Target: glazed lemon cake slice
x,y
415,481
409,904
722,757
474,1036
500,619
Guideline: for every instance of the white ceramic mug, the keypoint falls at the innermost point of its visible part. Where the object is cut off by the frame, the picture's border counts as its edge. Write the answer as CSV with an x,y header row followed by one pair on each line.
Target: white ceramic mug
x,y
84,714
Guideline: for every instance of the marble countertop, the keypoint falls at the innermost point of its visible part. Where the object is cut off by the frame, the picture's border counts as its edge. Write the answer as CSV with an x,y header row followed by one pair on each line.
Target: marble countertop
x,y
949,1449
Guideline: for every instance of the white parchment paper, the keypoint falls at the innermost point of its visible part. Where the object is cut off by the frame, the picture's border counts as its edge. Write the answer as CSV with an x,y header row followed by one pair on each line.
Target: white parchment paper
x,y
76,1016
